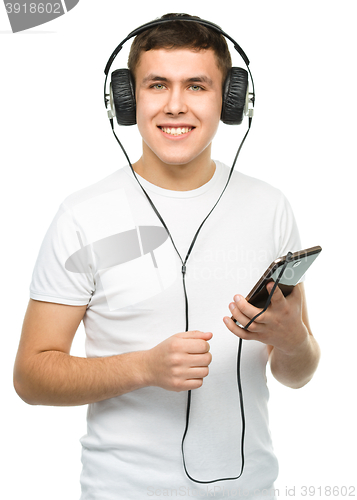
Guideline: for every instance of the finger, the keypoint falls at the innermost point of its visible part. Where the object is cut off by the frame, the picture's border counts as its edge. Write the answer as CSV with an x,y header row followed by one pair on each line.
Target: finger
x,y
249,325
248,310
200,359
198,372
197,346
239,331
195,334
237,315
278,296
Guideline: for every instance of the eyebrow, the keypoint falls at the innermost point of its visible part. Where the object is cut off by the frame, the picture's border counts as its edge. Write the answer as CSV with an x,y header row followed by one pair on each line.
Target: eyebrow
x,y
156,78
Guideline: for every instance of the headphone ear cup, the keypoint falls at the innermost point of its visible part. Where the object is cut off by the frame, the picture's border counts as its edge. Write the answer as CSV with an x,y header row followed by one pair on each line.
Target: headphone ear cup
x,y
123,93
235,91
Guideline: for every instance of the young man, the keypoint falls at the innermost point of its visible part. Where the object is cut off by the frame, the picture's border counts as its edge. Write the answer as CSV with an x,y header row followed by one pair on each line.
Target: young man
x,y
108,261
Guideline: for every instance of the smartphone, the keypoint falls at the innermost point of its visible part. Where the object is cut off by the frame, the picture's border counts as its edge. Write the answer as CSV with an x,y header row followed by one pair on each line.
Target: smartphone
x,y
294,271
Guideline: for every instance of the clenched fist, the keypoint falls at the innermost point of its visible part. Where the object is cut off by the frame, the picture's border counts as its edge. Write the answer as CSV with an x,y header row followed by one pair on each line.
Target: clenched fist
x,y
180,362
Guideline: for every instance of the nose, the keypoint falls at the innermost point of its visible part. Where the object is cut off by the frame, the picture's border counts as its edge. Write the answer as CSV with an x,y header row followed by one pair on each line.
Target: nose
x,y
176,102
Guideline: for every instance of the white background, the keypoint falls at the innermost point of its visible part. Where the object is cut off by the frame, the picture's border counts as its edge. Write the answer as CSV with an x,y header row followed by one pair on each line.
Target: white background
x,y
56,139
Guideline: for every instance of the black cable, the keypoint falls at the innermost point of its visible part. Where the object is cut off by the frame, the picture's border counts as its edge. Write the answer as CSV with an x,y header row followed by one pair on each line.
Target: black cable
x,y
183,269
239,383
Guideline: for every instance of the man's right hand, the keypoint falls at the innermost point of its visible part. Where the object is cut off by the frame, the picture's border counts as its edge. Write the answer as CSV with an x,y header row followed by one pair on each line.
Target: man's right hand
x,y
180,362
45,373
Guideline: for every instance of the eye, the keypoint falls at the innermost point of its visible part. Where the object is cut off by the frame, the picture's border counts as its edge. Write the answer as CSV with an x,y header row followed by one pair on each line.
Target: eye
x,y
158,86
196,88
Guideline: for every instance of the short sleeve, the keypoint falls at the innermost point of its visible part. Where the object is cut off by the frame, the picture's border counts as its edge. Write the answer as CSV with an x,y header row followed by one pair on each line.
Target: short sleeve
x,y
57,277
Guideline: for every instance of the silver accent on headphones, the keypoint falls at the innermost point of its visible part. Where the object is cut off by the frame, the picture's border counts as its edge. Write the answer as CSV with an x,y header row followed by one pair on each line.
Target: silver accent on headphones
x,y
249,99
110,101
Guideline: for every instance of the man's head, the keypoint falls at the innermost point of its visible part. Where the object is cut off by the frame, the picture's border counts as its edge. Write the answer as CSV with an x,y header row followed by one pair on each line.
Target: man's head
x,y
181,35
179,69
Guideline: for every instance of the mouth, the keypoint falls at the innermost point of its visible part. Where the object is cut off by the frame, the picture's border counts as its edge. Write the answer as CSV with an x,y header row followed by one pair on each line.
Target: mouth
x,y
176,131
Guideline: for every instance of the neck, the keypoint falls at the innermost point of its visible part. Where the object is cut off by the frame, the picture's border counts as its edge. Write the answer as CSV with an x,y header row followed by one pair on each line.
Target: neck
x,y
175,177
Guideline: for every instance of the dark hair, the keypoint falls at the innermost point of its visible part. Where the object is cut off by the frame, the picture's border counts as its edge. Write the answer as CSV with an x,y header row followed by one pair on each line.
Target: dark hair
x,y
181,34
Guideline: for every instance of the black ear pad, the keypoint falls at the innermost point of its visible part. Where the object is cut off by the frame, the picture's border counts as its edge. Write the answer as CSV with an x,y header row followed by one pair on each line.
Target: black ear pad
x,y
234,96
123,97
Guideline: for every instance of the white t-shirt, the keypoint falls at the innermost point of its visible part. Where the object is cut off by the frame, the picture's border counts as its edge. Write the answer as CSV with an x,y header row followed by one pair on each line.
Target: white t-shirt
x,y
107,248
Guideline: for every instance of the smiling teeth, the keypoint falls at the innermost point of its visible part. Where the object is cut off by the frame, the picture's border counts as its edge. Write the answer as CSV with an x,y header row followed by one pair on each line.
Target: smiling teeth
x,y
176,131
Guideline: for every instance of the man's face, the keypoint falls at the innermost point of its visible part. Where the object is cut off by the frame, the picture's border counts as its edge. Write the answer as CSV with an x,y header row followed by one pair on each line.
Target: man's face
x,y
178,102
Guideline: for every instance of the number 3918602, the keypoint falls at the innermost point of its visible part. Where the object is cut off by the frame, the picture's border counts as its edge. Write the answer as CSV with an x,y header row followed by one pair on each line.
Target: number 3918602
x,y
328,491
33,8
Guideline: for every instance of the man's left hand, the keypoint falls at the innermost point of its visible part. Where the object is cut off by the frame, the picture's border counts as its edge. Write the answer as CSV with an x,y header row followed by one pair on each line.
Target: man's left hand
x,y
280,326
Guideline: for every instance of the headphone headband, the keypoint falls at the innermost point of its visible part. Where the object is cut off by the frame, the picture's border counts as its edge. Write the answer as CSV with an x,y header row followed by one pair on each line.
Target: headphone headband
x,y
182,17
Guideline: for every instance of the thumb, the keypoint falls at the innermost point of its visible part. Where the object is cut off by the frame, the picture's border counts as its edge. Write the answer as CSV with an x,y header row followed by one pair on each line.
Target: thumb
x,y
195,334
278,295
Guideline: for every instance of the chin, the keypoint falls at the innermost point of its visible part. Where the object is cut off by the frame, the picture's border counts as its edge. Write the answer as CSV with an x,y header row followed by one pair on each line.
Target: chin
x,y
178,158
176,154
176,161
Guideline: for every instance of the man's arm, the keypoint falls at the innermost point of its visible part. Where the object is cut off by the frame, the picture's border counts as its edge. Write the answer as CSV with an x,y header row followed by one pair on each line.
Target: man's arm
x,y
284,327
46,374
295,369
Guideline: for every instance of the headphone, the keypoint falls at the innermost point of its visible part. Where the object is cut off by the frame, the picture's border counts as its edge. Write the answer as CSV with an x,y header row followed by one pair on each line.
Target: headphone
x,y
120,101
120,104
